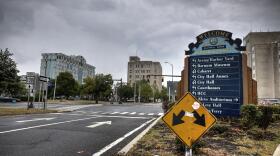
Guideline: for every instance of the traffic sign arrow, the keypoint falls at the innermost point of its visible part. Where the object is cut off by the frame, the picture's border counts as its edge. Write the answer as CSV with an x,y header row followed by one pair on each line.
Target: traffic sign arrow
x,y
199,120
99,124
177,119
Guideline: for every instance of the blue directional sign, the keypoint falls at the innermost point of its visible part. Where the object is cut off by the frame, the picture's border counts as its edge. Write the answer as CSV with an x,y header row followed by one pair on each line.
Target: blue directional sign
x,y
216,80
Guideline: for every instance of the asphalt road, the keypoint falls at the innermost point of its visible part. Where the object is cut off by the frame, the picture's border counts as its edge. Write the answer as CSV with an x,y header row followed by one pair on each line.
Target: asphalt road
x,y
91,130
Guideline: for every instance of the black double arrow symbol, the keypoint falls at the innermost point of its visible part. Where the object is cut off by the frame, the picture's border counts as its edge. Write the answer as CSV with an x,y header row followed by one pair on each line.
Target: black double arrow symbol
x,y
177,119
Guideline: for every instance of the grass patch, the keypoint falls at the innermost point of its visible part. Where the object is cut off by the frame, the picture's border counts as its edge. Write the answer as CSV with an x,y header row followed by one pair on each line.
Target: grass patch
x,y
225,138
22,111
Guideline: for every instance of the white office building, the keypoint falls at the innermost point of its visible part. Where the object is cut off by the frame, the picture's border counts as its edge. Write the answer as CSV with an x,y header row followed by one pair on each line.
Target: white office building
x,y
54,63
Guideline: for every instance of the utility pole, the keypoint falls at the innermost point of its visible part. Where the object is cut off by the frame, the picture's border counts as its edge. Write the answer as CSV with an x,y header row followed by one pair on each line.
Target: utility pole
x,y
172,85
134,92
46,86
54,88
139,98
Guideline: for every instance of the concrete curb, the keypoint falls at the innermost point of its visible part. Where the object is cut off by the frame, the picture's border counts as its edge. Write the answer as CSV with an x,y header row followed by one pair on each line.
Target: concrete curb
x,y
125,149
277,151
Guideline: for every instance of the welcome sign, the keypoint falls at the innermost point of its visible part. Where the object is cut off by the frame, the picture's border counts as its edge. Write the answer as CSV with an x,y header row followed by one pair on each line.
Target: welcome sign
x,y
215,72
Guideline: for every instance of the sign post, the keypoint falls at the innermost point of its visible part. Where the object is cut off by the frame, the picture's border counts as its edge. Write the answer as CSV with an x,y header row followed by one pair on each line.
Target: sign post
x,y
189,119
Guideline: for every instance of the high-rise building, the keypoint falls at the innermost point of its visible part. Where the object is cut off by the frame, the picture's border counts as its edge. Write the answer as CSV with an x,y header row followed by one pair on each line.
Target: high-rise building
x,y
138,70
54,63
263,50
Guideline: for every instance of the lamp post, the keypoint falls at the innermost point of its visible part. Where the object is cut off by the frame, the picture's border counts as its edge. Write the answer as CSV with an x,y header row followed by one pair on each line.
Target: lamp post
x,y
172,81
46,89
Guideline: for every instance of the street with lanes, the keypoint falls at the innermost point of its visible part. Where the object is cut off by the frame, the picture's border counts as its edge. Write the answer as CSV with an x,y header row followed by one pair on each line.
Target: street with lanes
x,y
92,130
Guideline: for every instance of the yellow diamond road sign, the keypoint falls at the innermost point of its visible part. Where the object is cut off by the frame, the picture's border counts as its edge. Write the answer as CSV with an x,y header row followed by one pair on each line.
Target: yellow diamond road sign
x,y
189,119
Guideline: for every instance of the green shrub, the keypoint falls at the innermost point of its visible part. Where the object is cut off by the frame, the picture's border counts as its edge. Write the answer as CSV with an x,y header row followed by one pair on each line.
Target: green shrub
x,y
276,109
250,115
275,117
218,129
266,116
259,134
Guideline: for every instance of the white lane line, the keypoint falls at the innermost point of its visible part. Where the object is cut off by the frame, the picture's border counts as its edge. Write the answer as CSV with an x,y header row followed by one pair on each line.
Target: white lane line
x,y
105,113
100,124
141,113
115,112
35,119
56,123
95,112
106,148
125,117
160,114
133,113
137,138
124,113
151,114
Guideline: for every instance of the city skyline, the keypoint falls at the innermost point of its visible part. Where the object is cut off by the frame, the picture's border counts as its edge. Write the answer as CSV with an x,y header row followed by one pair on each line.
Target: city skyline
x,y
107,32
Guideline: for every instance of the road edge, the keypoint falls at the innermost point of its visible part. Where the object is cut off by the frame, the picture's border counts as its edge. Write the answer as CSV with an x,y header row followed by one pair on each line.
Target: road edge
x,y
127,147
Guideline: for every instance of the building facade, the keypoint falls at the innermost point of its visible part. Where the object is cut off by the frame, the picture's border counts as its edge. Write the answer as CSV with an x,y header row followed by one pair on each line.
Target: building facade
x,y
138,70
263,49
54,63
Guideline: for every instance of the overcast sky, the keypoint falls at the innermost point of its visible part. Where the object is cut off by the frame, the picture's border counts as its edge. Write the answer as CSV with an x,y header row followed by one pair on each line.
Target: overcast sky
x,y
107,32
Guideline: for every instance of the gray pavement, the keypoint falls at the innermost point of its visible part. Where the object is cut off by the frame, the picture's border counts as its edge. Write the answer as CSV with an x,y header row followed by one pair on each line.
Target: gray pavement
x,y
80,132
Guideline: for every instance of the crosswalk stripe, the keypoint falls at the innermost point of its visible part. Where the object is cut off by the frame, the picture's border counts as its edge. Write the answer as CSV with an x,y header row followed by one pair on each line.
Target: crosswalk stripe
x,y
151,114
115,112
133,113
124,113
105,113
95,112
141,113
159,114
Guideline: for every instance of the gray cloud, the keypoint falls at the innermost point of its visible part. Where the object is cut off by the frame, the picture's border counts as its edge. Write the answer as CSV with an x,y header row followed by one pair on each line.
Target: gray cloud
x,y
107,32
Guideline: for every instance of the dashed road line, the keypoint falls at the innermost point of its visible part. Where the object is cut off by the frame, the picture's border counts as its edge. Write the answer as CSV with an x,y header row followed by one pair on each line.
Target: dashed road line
x,y
106,148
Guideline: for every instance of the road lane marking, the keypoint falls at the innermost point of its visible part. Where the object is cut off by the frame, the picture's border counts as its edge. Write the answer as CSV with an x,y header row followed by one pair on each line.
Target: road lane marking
x,y
151,114
56,123
106,148
125,149
100,124
125,117
105,113
95,112
133,113
57,113
124,113
35,119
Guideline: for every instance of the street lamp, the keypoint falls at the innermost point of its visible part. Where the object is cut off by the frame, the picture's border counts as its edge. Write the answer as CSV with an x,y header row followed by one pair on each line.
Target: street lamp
x,y
172,80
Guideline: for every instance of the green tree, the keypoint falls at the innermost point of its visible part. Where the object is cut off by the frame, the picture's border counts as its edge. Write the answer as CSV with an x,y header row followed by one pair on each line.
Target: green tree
x,y
163,93
10,84
99,87
66,85
146,91
103,86
89,87
126,92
